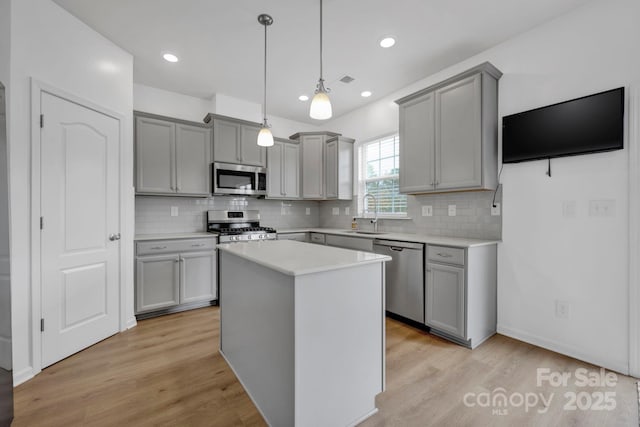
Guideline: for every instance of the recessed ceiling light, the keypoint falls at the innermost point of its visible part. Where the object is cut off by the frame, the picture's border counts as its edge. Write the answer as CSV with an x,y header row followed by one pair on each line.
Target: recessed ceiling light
x,y
366,94
170,57
387,42
303,98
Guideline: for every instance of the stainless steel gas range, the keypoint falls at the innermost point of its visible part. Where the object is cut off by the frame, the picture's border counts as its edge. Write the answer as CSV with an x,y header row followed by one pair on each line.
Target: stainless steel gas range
x,y
238,226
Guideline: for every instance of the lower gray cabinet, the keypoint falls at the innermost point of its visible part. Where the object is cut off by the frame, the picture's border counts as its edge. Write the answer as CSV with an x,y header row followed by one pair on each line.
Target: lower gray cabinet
x,y
357,243
445,299
461,293
299,237
174,275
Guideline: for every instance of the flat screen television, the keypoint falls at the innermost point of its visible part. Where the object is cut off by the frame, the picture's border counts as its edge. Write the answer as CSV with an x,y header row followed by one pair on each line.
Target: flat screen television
x,y
584,125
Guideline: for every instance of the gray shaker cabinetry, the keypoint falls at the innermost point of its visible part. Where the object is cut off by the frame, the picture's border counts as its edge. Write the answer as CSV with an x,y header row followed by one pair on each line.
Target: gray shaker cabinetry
x,y
175,275
172,156
338,168
283,166
460,298
235,141
449,134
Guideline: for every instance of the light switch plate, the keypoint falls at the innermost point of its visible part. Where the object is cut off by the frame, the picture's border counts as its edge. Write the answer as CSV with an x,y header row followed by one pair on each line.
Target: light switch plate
x,y
602,208
347,210
427,210
335,211
174,211
308,211
569,209
495,209
452,210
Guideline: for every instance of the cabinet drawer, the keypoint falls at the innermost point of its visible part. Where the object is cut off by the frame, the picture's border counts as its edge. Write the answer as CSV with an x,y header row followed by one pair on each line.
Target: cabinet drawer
x,y
445,254
318,238
357,243
299,237
173,246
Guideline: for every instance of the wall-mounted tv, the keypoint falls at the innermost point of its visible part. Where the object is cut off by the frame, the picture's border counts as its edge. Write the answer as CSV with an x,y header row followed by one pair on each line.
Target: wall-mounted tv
x,y
584,125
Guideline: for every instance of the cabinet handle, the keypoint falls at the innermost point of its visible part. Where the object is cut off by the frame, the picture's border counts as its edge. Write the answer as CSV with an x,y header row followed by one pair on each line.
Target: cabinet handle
x,y
437,183
198,245
444,255
176,260
159,247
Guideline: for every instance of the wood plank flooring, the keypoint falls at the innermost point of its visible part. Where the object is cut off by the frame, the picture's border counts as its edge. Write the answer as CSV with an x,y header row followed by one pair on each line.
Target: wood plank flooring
x,y
167,371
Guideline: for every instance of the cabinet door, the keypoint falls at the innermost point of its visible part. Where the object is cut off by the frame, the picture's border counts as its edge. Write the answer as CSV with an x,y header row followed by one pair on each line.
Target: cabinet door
x,y
459,134
275,170
157,282
198,276
155,151
312,166
192,159
445,299
251,153
417,144
226,142
331,169
291,175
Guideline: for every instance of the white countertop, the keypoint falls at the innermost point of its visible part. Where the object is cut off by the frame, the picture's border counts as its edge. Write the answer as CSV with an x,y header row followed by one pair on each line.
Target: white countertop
x,y
297,258
459,242
171,236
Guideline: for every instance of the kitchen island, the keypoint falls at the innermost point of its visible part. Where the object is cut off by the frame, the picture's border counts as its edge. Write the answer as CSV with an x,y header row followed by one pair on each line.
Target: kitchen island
x,y
302,327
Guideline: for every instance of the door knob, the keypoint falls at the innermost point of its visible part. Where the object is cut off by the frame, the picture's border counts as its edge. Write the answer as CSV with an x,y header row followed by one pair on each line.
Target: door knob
x,y
114,236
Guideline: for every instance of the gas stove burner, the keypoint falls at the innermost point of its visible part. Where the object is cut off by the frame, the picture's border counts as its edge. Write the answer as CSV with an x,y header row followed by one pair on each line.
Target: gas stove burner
x,y
237,226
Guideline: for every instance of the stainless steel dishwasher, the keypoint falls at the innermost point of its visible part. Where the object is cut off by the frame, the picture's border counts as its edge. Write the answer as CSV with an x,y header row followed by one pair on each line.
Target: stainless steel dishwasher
x,y
404,277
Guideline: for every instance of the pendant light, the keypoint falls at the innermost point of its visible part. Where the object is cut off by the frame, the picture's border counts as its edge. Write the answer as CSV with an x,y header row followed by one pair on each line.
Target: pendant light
x,y
320,105
265,138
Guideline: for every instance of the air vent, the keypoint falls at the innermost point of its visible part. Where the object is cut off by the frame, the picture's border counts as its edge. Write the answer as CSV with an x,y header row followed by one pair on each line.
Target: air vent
x,y
347,79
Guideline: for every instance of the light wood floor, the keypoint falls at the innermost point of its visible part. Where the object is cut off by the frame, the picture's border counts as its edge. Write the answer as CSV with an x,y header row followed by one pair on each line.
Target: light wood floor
x,y
167,371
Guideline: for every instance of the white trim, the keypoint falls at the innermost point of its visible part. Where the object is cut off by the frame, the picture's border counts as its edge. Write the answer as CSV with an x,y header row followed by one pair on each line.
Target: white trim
x,y
562,348
37,88
23,376
634,229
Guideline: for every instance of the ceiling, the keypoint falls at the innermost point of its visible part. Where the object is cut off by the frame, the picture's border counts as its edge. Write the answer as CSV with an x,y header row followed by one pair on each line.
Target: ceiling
x,y
220,43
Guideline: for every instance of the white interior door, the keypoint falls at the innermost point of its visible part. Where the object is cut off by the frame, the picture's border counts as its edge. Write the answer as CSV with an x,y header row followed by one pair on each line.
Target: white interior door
x,y
80,210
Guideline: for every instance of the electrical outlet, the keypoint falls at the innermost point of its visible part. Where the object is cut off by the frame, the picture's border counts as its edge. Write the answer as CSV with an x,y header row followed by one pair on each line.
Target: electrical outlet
x,y
174,211
602,208
427,210
569,209
562,309
452,210
347,210
307,211
335,211
495,209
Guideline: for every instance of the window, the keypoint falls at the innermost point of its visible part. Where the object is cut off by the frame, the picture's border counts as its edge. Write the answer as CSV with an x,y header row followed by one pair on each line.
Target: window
x,y
378,175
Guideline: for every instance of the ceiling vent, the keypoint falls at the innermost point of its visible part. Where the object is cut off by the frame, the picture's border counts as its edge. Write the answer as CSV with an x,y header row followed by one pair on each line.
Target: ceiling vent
x,y
346,79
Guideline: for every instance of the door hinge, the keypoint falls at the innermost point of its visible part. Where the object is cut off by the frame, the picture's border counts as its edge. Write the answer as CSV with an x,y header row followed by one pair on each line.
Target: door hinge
x,y
41,325
41,121
41,223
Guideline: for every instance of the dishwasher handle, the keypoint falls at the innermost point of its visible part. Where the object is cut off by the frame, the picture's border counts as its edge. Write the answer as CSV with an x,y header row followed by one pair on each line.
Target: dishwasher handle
x,y
398,246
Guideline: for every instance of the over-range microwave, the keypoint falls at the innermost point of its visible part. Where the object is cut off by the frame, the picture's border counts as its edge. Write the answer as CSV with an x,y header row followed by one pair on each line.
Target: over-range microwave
x,y
228,178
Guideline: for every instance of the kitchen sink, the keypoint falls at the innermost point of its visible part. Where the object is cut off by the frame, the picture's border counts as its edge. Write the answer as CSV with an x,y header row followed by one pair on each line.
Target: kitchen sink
x,y
365,232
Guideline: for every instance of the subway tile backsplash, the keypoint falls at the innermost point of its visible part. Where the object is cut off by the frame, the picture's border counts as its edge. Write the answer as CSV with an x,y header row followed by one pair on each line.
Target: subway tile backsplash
x,y
473,214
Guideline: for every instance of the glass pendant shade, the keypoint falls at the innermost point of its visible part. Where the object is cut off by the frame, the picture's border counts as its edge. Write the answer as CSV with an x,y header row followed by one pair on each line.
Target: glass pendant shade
x,y
265,138
320,107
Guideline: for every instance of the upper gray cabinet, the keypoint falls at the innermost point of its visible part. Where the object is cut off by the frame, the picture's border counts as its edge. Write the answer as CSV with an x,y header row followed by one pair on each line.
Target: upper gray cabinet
x,y
283,166
172,156
449,134
235,141
326,160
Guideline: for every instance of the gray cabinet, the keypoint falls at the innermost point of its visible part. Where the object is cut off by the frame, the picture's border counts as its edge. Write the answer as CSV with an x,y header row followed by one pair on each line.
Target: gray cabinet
x,y
449,134
326,161
338,168
357,243
283,170
235,141
460,298
298,237
172,156
175,275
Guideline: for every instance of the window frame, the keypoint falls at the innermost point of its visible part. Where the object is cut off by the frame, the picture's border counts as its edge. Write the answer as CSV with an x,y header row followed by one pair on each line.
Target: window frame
x,y
361,181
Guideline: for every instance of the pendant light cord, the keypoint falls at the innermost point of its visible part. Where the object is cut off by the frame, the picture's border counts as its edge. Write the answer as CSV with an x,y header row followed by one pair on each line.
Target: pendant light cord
x,y
321,40
265,75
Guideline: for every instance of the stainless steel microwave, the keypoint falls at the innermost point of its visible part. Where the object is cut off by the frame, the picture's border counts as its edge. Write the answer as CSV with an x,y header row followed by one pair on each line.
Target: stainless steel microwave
x,y
239,179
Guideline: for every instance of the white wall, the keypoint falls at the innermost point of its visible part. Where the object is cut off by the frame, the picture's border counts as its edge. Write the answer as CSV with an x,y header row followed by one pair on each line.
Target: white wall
x,y
171,104
50,45
545,257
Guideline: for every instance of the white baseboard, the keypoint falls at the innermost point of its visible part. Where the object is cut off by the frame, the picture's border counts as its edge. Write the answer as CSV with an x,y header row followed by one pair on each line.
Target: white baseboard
x,y
23,376
132,323
562,348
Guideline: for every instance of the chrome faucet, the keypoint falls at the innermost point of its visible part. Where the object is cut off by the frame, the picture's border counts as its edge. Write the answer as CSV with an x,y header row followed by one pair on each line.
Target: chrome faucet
x,y
374,221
